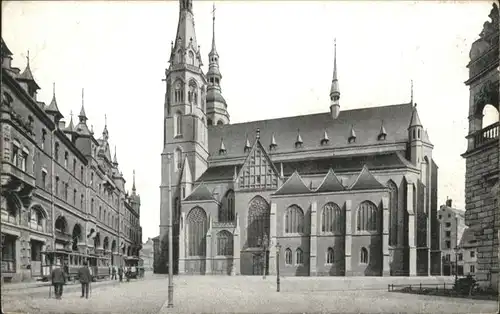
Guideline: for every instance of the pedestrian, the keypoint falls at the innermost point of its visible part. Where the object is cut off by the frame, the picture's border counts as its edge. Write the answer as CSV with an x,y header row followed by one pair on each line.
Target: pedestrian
x,y
113,273
58,280
85,279
120,273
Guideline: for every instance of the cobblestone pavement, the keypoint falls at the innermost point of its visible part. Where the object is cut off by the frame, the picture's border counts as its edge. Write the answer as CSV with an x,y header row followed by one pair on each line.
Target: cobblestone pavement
x,y
218,294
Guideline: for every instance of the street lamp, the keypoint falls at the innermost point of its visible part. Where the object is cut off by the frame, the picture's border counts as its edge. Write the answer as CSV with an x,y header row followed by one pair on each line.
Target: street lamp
x,y
456,249
265,244
170,237
278,247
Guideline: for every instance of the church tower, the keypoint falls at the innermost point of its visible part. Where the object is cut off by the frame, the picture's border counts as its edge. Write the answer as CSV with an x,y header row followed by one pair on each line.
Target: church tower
x,y
185,138
216,104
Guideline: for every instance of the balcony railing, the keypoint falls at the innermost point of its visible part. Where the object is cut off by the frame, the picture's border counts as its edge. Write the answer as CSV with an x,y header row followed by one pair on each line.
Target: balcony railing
x,y
486,135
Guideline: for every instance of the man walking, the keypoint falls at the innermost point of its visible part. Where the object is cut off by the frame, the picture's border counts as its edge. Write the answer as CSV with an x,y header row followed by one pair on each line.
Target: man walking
x,y
120,273
58,280
85,279
113,273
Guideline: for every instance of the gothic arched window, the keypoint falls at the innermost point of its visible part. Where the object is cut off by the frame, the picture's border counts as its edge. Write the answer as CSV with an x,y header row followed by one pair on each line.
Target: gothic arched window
x,y
294,220
288,257
178,124
226,210
393,212
197,231
329,256
331,218
224,243
191,58
179,92
258,221
367,217
299,257
363,259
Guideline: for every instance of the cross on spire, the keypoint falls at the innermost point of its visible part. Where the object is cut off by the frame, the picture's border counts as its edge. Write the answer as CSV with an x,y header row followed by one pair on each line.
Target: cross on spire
x,y
213,11
105,120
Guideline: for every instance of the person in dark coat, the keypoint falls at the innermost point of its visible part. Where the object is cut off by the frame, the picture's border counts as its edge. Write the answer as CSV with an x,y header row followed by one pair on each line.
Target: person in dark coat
x,y
120,273
85,278
58,280
113,272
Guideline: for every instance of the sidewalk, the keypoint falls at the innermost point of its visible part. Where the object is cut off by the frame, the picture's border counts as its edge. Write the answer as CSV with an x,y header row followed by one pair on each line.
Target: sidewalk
x,y
36,288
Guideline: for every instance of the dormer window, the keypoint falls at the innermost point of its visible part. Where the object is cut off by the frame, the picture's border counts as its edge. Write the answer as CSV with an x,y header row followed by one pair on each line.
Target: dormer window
x,y
352,139
381,137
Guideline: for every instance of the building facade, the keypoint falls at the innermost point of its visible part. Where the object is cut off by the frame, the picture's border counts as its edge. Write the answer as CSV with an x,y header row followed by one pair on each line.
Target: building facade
x,y
60,187
340,193
482,155
452,227
147,254
468,251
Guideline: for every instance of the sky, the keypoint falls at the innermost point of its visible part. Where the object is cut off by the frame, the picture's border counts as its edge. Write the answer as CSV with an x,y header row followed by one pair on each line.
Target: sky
x,y
276,59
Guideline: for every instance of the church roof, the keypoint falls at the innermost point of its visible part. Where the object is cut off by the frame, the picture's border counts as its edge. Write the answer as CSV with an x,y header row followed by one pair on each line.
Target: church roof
x,y
366,181
330,183
312,128
318,165
294,185
200,193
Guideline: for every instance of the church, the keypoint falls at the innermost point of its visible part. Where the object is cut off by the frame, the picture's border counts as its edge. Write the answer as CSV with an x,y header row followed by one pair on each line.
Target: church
x,y
349,193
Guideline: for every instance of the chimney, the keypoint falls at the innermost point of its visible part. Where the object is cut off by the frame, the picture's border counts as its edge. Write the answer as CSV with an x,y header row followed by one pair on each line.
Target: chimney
x,y
448,202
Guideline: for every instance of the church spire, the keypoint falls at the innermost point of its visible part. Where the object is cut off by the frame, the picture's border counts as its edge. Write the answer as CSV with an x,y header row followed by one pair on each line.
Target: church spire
x,y
335,90
185,49
214,50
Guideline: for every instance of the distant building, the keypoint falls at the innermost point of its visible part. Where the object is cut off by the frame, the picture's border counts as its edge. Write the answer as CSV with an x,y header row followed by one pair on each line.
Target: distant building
x,y
483,150
157,268
468,250
147,254
452,226
61,187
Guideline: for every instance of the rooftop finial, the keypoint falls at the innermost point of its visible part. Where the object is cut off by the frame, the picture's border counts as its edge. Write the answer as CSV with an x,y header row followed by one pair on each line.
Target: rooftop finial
x,y
54,89
335,58
28,57
411,95
257,135
105,120
133,182
83,96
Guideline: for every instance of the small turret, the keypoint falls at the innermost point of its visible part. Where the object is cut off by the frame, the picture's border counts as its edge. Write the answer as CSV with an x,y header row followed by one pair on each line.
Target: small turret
x,y
415,135
52,109
335,90
27,79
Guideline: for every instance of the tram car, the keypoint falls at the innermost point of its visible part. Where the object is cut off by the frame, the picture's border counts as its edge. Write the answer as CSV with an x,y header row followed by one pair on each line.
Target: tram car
x,y
132,267
72,261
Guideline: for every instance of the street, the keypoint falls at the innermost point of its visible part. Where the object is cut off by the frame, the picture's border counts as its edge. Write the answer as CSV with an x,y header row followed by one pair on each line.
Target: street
x,y
239,294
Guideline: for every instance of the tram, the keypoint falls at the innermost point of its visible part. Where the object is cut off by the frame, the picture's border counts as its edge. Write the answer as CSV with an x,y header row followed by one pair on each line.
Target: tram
x,y
133,266
72,261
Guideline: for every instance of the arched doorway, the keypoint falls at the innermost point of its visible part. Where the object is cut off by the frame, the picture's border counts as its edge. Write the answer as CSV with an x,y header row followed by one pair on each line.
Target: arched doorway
x,y
255,259
197,227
